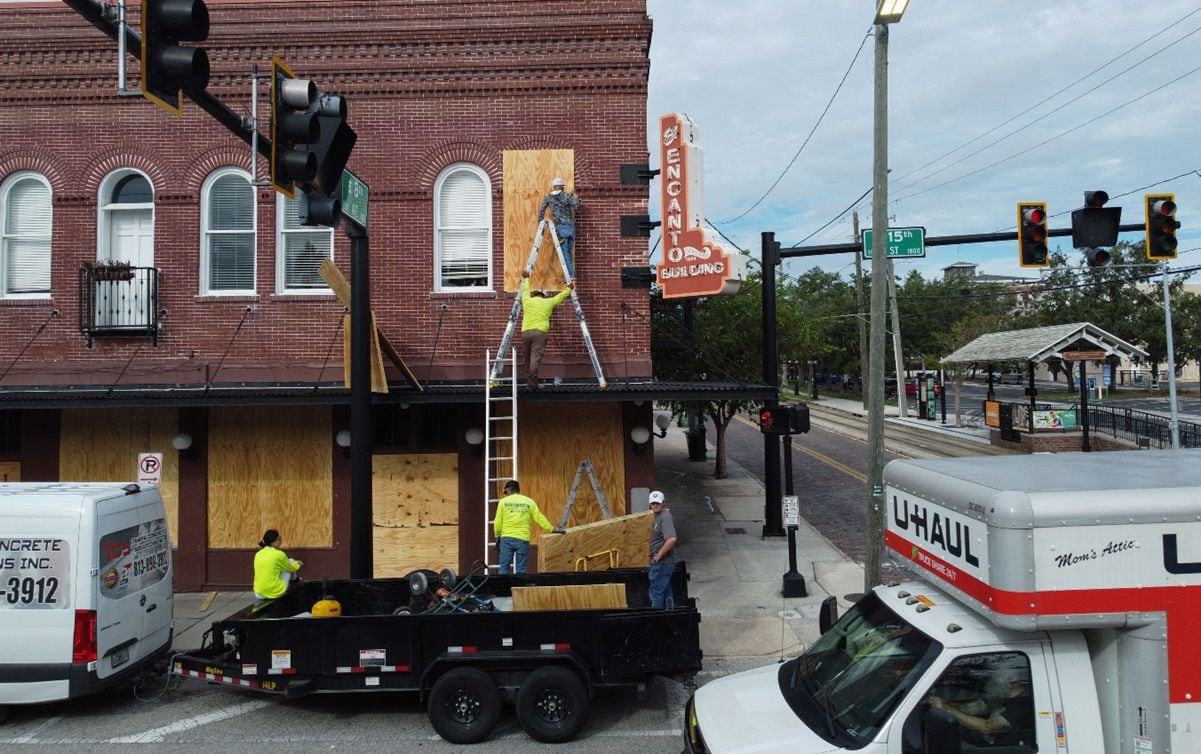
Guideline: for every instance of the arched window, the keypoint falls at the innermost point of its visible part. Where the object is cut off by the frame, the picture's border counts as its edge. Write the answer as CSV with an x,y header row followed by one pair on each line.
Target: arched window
x,y
227,233
25,221
300,250
125,226
462,229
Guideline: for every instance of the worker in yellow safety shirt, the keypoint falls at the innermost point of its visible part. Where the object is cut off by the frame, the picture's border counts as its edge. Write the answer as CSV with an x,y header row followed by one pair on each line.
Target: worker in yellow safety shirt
x,y
536,309
274,572
512,527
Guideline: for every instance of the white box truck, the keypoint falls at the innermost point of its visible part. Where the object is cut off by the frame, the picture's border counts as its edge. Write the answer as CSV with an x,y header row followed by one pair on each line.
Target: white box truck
x,y
85,587
1059,611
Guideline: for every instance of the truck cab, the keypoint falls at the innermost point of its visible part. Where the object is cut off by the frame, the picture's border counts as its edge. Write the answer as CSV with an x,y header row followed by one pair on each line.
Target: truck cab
x,y
1057,612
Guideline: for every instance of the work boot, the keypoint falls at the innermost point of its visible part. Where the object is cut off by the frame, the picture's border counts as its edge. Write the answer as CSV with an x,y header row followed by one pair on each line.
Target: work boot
x,y
532,383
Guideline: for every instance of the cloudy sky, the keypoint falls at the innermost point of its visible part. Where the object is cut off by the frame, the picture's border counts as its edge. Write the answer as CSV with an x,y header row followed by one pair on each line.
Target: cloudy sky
x,y
756,75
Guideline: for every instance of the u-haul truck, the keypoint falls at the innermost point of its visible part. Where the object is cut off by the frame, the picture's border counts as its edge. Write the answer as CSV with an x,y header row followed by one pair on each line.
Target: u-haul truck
x,y
1059,611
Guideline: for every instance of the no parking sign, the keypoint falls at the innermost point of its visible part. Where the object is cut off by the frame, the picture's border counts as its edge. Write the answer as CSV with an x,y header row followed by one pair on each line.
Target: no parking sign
x,y
150,469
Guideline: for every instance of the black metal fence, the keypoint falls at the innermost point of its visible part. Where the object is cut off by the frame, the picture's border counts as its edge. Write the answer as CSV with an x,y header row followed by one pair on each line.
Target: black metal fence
x,y
115,299
1144,429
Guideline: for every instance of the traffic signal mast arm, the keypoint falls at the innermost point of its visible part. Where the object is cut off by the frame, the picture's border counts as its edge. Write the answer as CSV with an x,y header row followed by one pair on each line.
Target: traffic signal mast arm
x,y
93,13
967,238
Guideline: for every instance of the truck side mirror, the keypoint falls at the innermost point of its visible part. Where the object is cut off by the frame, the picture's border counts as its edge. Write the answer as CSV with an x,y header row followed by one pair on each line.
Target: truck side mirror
x,y
828,615
942,733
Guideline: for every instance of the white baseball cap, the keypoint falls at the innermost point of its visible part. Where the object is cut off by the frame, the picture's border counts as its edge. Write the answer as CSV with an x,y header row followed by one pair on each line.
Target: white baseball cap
x,y
656,497
558,182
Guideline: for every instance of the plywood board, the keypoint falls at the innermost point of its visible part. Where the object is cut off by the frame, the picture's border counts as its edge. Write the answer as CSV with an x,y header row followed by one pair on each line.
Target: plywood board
x,y
629,535
415,512
337,282
569,597
10,471
271,468
553,439
102,445
379,380
527,177
398,552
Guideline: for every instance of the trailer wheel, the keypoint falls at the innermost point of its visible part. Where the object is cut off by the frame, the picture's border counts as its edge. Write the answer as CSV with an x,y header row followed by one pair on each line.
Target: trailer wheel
x,y
552,704
464,706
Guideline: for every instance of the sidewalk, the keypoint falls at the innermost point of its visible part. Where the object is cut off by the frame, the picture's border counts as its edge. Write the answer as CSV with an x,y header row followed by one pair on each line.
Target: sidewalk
x,y
892,415
736,574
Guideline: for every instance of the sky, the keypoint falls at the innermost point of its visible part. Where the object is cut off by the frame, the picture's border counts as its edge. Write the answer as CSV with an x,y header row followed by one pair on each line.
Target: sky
x,y
756,75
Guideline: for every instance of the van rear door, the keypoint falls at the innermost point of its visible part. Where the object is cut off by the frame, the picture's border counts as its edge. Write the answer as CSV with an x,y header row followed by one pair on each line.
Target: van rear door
x,y
134,564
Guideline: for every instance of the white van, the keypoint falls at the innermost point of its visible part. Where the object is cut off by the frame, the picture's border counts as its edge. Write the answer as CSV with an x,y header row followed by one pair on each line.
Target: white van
x,y
85,587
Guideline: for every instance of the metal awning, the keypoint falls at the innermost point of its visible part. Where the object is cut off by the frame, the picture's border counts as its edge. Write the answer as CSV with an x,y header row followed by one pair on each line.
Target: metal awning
x,y
1037,344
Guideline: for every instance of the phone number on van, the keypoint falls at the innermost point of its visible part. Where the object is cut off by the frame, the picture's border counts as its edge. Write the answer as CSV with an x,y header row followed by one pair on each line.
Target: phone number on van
x,y
30,591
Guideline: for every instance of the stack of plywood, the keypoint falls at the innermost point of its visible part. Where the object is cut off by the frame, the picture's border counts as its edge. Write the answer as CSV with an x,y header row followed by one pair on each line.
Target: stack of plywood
x,y
621,542
570,597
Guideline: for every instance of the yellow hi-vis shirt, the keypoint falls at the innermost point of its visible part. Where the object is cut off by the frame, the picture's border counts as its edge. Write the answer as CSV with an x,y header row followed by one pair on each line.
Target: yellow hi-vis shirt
x,y
513,515
269,563
536,311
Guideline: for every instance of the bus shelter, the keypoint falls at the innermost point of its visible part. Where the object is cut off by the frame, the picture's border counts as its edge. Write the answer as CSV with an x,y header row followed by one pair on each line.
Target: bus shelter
x,y
1080,343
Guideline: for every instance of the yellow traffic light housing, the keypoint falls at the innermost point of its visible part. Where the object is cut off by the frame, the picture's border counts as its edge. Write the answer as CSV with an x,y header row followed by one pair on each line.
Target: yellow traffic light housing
x,y
1032,234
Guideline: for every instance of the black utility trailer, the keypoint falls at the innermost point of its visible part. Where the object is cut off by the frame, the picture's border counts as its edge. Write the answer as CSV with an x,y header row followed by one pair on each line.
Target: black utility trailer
x,y
465,665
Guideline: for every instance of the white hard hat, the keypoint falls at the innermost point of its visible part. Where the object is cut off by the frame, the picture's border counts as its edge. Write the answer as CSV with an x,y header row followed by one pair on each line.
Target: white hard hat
x,y
656,497
558,182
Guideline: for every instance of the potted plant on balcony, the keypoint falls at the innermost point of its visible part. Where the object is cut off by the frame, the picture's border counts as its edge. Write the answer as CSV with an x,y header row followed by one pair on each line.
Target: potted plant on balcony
x,y
109,270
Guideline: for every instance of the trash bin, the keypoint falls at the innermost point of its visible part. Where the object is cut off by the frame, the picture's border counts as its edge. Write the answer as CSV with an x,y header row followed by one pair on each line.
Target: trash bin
x,y
697,450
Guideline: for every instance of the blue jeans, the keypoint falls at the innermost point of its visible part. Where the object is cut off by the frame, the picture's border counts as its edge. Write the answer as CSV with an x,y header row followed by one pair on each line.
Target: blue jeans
x,y
511,547
566,242
660,575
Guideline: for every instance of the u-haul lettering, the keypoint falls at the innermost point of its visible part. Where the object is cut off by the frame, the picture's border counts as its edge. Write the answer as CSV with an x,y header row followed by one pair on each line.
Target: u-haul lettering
x,y
959,541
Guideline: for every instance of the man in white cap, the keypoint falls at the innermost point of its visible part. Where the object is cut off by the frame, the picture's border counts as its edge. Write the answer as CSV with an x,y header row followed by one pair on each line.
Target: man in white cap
x,y
663,554
563,206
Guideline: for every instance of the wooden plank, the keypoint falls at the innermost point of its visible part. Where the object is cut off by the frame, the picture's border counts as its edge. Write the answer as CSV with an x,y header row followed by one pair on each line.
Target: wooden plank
x,y
555,437
337,282
527,177
415,513
569,597
270,467
398,552
10,471
102,445
629,535
379,380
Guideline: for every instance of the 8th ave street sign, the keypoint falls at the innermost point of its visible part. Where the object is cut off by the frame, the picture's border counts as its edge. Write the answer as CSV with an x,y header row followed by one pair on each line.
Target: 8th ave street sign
x,y
902,242
354,198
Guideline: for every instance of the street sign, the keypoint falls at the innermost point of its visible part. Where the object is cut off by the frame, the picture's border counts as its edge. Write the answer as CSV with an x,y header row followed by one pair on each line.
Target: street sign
x,y
354,198
150,469
902,242
1084,355
792,510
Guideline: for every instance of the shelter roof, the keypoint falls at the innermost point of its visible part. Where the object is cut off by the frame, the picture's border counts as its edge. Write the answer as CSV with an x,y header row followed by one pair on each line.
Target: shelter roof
x,y
1037,344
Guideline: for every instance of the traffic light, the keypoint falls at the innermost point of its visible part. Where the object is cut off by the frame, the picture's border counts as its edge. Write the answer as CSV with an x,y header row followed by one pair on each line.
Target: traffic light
x,y
1161,226
773,421
798,418
1095,226
1032,234
167,66
293,129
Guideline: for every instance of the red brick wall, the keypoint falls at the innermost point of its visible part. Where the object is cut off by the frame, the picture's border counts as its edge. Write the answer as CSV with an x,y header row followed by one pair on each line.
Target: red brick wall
x,y
427,84
1059,442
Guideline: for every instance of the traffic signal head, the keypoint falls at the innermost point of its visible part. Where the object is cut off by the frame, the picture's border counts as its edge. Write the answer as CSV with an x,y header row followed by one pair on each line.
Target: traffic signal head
x,y
293,129
798,418
1161,226
167,66
1096,257
1032,234
1094,225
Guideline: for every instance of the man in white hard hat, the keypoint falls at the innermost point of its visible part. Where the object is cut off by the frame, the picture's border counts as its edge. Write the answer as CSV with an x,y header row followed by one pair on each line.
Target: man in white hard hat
x,y
663,552
563,206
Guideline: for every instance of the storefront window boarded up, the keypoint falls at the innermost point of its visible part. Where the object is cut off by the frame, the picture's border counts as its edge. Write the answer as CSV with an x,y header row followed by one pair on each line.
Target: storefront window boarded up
x,y
415,512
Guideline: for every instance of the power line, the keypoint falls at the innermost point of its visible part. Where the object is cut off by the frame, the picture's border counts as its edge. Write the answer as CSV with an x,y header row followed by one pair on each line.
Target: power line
x,y
807,138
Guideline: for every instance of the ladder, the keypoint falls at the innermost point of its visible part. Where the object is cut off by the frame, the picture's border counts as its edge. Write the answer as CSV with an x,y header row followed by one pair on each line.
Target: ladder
x,y
507,340
500,442
585,466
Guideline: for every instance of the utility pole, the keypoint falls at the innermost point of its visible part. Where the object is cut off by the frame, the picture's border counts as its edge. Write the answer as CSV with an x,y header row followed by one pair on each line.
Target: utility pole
x,y
863,377
875,409
898,354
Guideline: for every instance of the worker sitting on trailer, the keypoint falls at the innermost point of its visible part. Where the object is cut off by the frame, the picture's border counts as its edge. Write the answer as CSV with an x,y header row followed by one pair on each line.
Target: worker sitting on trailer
x,y
563,206
512,527
274,572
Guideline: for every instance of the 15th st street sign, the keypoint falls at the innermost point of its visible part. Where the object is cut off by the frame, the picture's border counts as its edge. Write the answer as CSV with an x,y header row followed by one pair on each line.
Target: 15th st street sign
x,y
902,242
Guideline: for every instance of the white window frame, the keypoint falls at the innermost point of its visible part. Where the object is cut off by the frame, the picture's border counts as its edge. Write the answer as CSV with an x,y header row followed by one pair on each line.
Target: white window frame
x,y
104,208
206,234
5,190
438,183
281,268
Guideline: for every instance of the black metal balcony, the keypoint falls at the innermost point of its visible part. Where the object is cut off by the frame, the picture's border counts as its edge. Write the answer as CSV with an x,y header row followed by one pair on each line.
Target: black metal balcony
x,y
118,300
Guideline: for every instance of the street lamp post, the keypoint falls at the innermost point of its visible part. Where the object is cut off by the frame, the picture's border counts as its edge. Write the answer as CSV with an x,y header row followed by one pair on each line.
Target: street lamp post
x,y
887,12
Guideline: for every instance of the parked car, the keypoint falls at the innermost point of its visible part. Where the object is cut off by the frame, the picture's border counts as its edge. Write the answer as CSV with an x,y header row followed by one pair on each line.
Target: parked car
x,y
1011,377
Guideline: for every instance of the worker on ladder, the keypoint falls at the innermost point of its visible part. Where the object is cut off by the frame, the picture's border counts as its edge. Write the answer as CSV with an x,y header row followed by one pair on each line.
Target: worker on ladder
x,y
563,206
536,309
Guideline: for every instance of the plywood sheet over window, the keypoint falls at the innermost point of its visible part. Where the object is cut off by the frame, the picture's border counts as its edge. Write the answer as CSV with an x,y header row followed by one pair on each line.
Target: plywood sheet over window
x,y
10,471
415,512
527,178
554,438
102,445
270,468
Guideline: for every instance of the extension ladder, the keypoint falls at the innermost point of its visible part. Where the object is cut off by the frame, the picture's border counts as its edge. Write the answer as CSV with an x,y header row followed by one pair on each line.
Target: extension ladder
x,y
507,340
500,442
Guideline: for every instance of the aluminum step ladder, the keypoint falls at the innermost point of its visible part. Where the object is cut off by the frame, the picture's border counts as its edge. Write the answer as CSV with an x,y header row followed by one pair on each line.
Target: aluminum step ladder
x,y
601,500
500,441
507,340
